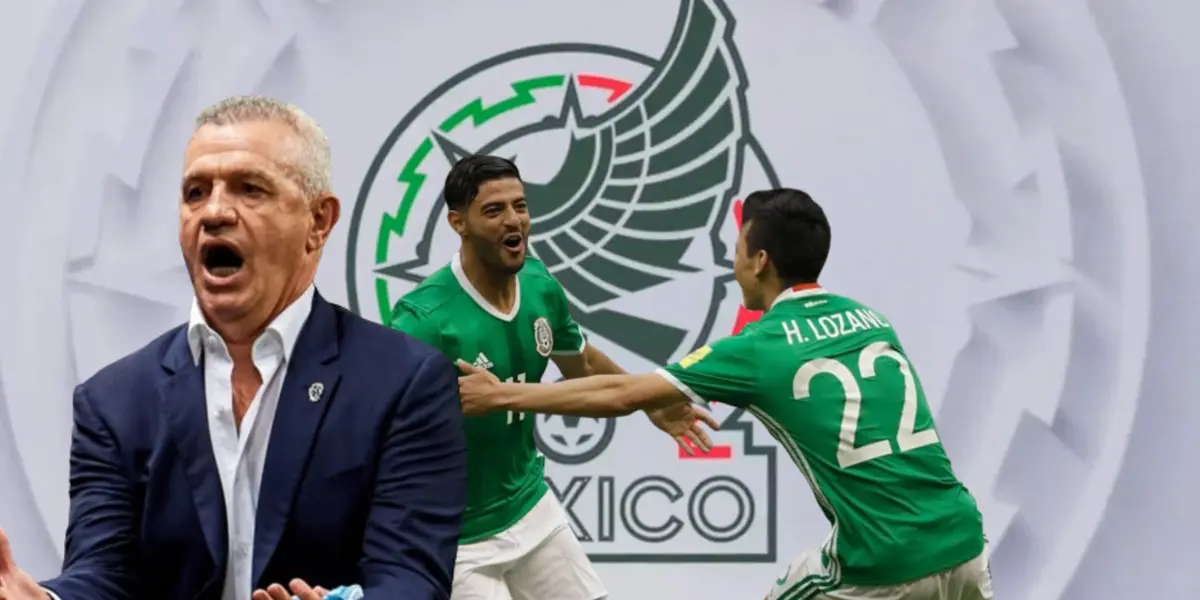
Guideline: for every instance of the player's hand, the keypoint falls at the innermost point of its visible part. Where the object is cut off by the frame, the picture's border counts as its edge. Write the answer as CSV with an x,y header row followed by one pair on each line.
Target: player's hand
x,y
16,584
301,590
682,422
479,390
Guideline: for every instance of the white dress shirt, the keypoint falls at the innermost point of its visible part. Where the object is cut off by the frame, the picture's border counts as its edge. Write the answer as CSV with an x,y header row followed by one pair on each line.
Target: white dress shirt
x,y
240,454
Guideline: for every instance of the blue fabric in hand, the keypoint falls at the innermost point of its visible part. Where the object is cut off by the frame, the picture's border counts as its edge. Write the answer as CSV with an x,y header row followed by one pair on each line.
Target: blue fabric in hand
x,y
345,592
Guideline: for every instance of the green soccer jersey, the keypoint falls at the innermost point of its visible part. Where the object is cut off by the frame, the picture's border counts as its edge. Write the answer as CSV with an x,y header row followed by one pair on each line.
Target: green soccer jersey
x,y
504,467
828,379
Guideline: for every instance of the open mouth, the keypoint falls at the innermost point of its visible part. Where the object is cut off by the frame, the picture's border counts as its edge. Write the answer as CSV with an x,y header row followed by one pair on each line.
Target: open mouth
x,y
513,241
221,259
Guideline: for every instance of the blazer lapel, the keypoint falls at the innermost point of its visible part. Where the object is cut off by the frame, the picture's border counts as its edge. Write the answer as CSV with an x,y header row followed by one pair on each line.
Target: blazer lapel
x,y
184,410
308,388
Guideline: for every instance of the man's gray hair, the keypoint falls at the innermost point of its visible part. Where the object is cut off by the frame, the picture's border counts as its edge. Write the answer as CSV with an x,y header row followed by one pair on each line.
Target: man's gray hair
x,y
312,168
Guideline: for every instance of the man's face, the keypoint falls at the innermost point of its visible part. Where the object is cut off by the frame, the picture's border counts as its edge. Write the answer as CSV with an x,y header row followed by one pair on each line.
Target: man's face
x,y
249,236
747,270
496,225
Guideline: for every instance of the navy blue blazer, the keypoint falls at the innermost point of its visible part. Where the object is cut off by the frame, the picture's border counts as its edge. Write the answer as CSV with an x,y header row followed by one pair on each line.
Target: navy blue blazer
x,y
366,485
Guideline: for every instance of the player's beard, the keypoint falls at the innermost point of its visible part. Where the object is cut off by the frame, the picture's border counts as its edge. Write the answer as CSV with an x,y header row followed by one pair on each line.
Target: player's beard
x,y
505,265
492,256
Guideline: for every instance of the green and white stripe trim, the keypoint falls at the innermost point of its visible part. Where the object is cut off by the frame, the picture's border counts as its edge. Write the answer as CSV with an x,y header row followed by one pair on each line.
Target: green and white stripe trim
x,y
811,585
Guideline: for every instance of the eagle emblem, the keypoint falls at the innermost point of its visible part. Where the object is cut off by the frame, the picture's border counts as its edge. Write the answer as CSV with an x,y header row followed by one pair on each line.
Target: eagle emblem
x,y
641,182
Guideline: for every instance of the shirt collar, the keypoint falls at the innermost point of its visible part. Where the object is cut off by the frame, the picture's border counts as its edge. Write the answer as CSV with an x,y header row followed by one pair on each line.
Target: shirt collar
x,y
803,290
287,325
456,267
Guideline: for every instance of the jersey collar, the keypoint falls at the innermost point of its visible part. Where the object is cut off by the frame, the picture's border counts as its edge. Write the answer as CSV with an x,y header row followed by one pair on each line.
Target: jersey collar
x,y
457,268
803,290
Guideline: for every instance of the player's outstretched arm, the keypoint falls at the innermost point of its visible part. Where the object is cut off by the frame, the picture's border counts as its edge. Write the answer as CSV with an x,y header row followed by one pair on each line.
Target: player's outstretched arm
x,y
680,421
598,396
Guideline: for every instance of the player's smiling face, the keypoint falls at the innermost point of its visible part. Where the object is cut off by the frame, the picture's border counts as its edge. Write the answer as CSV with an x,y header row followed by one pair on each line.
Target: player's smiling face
x,y
497,224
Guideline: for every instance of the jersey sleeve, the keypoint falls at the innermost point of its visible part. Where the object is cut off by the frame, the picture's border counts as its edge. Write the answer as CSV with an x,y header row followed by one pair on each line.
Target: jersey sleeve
x,y
724,371
417,323
568,339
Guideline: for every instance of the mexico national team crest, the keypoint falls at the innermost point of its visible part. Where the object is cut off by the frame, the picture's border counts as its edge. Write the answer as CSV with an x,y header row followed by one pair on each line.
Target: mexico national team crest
x,y
632,166
543,338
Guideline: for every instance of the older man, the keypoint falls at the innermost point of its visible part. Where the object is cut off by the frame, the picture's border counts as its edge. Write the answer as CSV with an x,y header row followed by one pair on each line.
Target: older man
x,y
275,439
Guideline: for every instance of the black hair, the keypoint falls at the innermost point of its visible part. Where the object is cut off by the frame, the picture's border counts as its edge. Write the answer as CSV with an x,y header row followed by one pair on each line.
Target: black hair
x,y
791,227
471,172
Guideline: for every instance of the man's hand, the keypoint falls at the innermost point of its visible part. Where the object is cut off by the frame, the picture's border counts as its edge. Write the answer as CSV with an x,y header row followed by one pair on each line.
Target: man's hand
x,y
478,389
682,421
301,590
15,584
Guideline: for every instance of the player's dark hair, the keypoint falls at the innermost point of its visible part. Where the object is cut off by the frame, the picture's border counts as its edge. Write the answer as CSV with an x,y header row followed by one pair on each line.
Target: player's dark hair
x,y
793,230
470,173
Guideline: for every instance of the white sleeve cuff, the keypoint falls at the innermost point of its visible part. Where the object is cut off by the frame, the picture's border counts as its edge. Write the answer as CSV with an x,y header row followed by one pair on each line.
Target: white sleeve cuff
x,y
582,347
682,387
52,595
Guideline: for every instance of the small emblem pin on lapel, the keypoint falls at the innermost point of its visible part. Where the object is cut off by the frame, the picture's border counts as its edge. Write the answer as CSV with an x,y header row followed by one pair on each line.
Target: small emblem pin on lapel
x,y
314,391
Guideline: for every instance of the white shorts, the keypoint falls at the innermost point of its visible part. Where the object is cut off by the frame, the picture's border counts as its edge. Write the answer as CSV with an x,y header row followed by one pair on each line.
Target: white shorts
x,y
806,579
538,558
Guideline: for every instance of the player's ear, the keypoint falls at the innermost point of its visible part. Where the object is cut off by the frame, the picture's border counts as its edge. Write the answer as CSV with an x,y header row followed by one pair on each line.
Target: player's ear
x,y
759,261
456,221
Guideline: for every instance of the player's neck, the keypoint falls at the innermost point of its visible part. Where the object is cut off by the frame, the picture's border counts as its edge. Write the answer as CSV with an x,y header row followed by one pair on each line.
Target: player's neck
x,y
773,289
770,293
497,288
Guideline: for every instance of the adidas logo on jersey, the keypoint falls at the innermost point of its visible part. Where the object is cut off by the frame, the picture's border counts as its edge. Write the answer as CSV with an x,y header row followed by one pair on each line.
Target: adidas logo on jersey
x,y
482,361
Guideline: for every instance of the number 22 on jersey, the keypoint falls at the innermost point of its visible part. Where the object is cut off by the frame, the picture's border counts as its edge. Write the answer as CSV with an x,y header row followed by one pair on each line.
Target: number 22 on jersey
x,y
848,453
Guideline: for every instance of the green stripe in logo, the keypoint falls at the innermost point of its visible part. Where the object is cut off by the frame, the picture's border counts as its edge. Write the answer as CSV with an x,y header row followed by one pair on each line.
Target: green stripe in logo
x,y
478,113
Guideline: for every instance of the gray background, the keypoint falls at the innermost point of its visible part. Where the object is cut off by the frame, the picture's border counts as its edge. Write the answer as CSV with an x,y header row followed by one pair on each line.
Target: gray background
x,y
1012,182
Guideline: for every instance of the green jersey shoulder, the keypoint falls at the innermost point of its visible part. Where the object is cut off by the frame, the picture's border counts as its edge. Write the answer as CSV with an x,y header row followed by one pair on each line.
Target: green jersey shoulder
x,y
798,327
445,306
418,312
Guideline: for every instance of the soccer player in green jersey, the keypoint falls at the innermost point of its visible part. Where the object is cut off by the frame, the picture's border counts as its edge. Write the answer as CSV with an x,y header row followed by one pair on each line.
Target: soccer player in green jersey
x,y
502,312
829,380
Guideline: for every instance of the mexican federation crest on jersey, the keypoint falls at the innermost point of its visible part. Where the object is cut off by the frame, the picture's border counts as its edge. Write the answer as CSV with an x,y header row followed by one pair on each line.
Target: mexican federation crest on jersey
x,y
632,165
543,337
